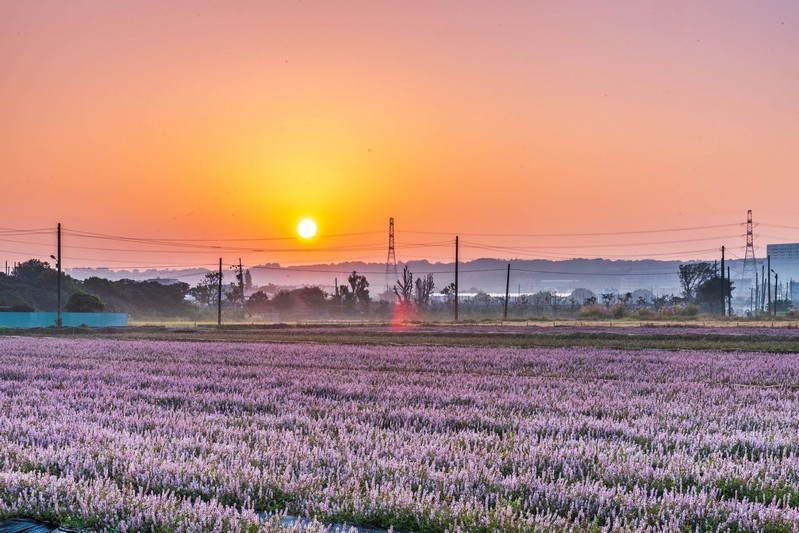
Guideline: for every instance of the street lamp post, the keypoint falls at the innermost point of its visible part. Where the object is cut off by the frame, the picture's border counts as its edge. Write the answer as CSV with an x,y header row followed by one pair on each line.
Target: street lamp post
x,y
776,286
58,284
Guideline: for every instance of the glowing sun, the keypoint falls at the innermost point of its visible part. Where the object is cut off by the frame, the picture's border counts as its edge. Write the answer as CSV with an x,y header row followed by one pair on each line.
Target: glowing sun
x,y
306,228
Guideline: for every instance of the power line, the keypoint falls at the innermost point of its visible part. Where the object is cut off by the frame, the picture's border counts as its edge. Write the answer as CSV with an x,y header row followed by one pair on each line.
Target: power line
x,y
580,246
778,226
594,234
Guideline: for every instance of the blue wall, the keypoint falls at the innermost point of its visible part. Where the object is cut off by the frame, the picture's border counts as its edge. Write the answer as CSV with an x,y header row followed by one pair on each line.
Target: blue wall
x,y
43,320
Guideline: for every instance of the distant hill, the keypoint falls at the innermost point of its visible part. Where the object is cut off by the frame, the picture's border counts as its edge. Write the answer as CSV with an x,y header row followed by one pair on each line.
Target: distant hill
x,y
527,276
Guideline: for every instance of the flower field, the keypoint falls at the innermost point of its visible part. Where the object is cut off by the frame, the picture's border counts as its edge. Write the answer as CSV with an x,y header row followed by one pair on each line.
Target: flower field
x,y
187,436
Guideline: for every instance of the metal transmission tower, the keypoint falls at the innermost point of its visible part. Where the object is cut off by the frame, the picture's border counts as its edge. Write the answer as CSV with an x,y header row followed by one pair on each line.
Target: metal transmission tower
x,y
750,263
391,260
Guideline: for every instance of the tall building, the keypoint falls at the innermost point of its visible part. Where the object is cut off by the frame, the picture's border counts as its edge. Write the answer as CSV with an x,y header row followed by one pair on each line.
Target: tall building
x,y
784,261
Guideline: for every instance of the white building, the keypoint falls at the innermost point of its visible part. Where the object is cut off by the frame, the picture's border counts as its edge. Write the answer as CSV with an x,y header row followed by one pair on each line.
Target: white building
x,y
784,260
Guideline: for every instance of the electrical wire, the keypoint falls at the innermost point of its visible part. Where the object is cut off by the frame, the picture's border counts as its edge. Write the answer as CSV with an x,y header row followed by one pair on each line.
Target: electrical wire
x,y
594,234
580,246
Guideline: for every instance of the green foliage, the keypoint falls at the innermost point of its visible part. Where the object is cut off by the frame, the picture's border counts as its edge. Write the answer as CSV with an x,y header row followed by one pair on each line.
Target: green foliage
x,y
31,270
83,302
206,292
618,310
708,294
141,298
592,311
360,287
693,276
257,302
33,285
304,302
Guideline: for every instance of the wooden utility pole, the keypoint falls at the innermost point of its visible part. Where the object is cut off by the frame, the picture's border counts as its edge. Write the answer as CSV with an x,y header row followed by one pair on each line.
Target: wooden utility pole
x,y
776,287
219,296
757,294
768,285
241,284
722,282
456,278
58,285
729,295
507,288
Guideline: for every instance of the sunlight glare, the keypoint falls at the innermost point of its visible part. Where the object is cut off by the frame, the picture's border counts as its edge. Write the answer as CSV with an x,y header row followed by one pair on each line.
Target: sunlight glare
x,y
306,228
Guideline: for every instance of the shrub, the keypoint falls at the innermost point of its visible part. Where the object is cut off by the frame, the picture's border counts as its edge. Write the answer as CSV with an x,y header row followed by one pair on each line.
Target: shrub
x,y
645,312
689,310
593,311
619,310
83,302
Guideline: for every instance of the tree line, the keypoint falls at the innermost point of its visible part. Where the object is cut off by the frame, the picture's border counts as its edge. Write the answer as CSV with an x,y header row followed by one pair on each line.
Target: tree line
x,y
31,287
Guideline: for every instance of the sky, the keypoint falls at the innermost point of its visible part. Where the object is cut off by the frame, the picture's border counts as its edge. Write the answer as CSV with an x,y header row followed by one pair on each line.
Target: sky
x,y
173,133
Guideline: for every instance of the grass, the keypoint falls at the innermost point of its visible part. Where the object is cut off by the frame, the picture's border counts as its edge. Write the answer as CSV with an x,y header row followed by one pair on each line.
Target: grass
x,y
720,338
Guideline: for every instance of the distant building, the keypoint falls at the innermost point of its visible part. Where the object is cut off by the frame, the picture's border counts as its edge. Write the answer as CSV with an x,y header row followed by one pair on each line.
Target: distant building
x,y
165,281
784,260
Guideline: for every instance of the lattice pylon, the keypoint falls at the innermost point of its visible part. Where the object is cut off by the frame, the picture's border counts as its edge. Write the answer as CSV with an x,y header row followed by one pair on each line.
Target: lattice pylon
x,y
391,260
750,263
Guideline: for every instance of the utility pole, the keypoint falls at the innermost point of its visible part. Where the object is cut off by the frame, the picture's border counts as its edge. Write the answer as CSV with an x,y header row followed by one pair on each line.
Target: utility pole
x,y
335,280
729,295
456,278
241,284
776,287
757,295
507,288
58,285
722,282
219,296
768,287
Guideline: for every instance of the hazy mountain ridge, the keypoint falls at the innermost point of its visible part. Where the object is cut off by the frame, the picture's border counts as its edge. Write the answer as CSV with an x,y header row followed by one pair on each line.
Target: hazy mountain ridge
x,y
527,275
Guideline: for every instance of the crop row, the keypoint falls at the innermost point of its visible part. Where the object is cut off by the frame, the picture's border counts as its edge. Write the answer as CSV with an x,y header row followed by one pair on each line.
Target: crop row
x,y
204,436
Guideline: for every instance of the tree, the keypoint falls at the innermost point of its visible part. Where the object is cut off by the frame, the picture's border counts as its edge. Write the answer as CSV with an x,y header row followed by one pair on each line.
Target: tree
x,y
141,298
34,283
581,295
708,295
607,298
692,275
233,295
304,300
247,280
424,287
659,302
404,287
258,302
83,302
449,290
360,287
205,292
31,269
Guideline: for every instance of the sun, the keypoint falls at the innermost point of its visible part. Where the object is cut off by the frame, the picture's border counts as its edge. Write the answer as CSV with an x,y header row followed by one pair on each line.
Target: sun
x,y
306,228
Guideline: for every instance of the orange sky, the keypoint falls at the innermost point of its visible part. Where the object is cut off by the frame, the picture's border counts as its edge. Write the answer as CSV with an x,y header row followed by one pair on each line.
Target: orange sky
x,y
195,120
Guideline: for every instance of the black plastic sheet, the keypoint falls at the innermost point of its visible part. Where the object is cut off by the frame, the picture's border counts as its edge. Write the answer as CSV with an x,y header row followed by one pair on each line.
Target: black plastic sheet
x,y
29,525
